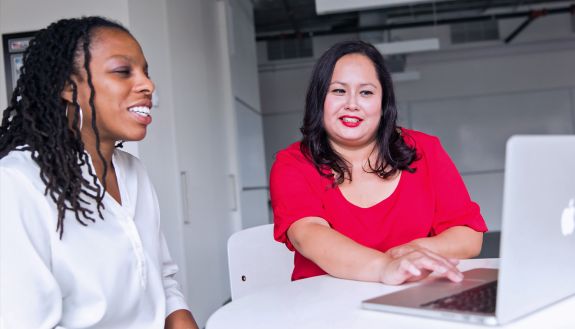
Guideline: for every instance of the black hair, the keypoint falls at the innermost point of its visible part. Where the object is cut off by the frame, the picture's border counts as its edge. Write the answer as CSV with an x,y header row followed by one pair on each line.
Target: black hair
x,y
36,119
393,153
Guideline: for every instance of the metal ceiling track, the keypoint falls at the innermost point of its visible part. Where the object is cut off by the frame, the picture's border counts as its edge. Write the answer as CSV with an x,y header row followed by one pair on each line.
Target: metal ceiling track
x,y
530,16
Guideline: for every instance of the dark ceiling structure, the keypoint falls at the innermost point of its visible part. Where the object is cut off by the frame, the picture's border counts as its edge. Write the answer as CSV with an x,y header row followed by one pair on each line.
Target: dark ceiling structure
x,y
288,19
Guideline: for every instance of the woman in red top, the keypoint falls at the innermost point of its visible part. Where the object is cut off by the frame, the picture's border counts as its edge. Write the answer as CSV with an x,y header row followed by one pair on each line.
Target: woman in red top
x,y
360,198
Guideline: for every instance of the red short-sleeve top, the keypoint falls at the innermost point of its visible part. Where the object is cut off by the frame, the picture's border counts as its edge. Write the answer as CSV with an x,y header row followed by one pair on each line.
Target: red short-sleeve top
x,y
424,203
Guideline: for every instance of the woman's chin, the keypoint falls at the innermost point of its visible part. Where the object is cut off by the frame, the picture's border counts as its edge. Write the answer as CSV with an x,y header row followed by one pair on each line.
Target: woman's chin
x,y
137,137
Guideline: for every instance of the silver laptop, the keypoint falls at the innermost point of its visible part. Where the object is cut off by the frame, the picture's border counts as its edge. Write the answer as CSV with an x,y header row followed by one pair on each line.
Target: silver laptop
x,y
537,265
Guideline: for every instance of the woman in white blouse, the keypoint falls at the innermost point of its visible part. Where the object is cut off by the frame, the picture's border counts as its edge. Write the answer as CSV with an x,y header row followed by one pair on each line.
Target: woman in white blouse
x,y
81,245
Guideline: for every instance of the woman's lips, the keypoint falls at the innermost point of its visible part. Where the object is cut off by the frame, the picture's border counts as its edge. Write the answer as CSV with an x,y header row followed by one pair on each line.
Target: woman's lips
x,y
350,122
142,114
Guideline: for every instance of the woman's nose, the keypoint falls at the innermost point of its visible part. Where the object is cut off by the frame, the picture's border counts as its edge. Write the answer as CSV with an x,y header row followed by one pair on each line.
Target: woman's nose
x,y
145,85
351,103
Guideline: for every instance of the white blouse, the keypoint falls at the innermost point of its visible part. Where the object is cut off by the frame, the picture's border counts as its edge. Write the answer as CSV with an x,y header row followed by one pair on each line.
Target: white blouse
x,y
113,273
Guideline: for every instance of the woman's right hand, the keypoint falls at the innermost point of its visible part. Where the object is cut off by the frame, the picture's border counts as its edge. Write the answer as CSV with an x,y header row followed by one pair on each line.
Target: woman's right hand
x,y
416,264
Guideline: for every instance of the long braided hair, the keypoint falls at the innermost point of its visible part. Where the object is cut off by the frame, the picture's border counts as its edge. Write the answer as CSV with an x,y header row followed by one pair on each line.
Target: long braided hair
x,y
36,118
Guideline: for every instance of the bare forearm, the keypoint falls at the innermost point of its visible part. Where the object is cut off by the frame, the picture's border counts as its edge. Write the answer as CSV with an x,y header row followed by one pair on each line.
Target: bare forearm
x,y
180,319
457,242
337,254
344,258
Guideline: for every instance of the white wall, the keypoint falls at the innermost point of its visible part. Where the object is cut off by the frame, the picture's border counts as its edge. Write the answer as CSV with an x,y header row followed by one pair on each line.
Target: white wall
x,y
252,179
30,15
185,43
472,96
201,96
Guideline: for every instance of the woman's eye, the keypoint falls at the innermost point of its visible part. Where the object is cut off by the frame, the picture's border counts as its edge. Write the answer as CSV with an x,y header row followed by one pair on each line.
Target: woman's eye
x,y
366,92
123,71
338,91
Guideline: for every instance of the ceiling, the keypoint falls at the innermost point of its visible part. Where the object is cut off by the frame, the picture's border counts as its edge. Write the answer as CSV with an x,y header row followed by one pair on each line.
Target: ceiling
x,y
280,19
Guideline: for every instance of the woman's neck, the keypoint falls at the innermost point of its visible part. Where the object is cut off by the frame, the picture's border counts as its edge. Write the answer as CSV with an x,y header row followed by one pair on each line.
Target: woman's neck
x,y
107,151
356,155
110,181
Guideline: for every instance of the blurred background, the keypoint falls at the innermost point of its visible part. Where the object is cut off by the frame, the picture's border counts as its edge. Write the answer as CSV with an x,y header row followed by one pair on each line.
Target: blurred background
x,y
231,77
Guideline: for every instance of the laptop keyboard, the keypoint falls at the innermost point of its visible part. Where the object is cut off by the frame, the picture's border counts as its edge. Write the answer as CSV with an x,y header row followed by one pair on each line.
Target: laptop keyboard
x,y
480,299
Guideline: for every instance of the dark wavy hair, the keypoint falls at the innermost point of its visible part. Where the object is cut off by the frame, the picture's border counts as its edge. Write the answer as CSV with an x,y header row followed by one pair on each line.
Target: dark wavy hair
x,y
36,119
393,153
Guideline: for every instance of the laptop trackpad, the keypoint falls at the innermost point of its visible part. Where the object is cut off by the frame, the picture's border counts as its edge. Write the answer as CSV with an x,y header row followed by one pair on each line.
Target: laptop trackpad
x,y
436,289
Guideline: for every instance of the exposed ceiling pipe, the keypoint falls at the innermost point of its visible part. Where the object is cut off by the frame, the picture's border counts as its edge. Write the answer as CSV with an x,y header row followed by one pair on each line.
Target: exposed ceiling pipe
x,y
337,6
393,26
532,16
291,17
487,6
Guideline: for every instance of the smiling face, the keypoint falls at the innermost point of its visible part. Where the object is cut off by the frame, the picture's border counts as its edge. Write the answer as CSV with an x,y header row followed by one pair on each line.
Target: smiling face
x,y
123,90
352,107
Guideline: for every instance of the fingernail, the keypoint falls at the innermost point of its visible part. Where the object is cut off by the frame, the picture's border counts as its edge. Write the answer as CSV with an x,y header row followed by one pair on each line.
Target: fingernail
x,y
415,271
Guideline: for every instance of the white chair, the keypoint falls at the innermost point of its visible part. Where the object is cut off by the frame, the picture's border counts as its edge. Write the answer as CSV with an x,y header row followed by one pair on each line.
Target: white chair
x,y
257,261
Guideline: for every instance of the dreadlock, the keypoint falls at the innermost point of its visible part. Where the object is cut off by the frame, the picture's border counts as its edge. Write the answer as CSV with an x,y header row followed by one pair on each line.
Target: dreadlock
x,y
36,118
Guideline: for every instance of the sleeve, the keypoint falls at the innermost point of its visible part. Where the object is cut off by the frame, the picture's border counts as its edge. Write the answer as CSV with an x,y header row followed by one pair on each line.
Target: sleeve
x,y
30,295
293,196
453,206
174,297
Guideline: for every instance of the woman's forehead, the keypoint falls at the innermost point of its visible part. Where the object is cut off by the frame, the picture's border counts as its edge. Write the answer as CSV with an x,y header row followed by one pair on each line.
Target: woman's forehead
x,y
111,35
108,42
354,66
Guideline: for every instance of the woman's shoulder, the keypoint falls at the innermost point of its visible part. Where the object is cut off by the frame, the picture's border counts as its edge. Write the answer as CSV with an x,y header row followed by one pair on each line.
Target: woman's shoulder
x,y
420,140
21,172
291,159
410,135
16,157
20,161
25,207
291,154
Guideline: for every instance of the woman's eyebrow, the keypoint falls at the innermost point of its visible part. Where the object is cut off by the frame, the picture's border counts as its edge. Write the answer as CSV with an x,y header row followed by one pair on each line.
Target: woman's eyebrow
x,y
338,82
361,85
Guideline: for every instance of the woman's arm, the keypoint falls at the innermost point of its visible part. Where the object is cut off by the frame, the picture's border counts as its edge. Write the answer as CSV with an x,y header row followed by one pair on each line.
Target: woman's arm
x,y
342,257
178,315
30,296
458,225
456,242
180,319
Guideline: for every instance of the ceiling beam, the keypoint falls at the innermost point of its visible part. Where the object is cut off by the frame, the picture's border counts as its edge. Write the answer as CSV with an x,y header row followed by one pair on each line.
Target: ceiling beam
x,y
291,16
409,46
393,26
533,15
335,6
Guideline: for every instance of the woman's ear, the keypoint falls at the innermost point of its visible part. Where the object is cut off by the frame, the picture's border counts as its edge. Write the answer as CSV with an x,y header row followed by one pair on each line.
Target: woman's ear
x,y
68,92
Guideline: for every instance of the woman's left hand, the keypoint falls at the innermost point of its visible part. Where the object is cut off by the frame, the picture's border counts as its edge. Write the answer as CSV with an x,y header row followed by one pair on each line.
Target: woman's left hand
x,y
401,250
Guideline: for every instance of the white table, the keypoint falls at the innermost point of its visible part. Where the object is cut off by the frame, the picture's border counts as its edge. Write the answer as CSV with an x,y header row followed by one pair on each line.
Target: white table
x,y
330,303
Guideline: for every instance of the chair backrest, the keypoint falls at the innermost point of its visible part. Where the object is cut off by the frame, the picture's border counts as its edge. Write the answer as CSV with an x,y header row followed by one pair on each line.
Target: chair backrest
x,y
257,261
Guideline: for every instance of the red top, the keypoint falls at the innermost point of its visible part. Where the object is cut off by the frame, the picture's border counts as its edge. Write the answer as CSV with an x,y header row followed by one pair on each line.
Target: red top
x,y
424,203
